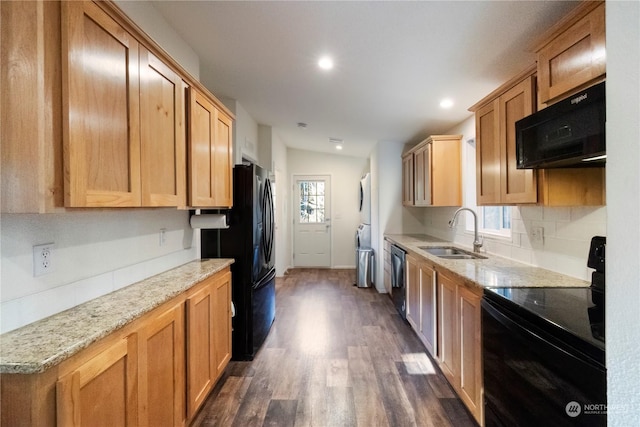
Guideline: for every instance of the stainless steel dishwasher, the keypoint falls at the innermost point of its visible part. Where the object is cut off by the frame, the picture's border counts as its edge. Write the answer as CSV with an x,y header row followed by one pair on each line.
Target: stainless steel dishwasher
x,y
398,291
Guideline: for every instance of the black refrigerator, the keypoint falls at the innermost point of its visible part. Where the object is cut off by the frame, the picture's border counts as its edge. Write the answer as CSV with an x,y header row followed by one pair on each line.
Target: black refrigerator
x,y
250,241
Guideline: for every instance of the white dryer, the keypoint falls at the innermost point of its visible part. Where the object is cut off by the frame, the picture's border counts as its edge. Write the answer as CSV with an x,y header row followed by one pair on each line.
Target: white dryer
x,y
365,199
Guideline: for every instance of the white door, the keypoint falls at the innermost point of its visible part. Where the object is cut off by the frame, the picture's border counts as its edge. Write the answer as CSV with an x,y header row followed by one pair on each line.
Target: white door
x,y
312,221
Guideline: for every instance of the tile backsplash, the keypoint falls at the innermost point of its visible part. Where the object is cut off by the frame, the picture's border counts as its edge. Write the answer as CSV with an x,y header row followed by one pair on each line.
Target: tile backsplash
x,y
567,233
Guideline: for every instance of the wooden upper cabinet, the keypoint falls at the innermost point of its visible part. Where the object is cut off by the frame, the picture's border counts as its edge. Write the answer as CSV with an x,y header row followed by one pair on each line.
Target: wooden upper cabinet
x,y
517,185
31,119
422,175
101,114
163,133
498,181
210,154
436,177
488,162
572,54
408,193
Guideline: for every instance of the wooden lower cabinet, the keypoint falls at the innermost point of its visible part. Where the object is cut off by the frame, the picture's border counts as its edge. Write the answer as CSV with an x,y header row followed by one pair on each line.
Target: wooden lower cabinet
x,y
412,287
447,326
161,370
103,390
222,322
470,351
459,333
428,309
208,337
421,301
147,373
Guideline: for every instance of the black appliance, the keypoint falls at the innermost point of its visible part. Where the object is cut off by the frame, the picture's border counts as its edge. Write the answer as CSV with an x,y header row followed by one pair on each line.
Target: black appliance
x,y
250,241
543,353
596,261
398,291
570,133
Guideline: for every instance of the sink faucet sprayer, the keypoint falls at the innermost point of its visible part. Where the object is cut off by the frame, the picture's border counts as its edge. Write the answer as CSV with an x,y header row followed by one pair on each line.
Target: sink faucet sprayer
x,y
477,241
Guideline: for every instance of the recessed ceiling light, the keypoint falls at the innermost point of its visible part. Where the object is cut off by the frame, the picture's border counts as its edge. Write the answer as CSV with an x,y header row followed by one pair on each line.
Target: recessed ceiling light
x,y
446,103
325,63
338,147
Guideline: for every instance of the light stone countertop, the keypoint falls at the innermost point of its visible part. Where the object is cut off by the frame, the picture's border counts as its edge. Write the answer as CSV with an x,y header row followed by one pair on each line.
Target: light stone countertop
x,y
38,346
492,272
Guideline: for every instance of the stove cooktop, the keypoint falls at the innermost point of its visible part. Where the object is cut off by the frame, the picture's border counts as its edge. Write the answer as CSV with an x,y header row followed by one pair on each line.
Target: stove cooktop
x,y
569,310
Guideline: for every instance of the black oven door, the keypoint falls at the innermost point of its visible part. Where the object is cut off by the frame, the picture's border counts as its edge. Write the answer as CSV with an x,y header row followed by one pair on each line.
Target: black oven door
x,y
531,378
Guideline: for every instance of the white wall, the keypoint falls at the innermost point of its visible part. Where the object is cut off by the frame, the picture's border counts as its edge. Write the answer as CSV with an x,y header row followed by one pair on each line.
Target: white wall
x,y
345,174
96,250
282,202
245,132
623,221
386,200
153,23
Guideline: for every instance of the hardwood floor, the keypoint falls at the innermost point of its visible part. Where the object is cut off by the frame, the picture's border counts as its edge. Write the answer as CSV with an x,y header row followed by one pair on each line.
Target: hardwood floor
x,y
337,355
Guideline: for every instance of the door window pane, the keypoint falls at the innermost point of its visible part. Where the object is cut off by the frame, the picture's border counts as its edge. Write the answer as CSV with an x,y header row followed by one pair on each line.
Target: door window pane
x,y
311,202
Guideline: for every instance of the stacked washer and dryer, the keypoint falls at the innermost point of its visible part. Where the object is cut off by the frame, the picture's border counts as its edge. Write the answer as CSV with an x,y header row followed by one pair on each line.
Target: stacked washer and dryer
x,y
365,259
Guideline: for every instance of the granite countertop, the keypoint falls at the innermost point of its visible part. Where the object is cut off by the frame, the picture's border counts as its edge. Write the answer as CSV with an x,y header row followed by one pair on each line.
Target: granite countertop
x,y
492,272
38,346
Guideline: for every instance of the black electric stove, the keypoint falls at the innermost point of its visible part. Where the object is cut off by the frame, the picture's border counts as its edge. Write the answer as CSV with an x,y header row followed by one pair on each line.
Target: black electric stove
x,y
567,313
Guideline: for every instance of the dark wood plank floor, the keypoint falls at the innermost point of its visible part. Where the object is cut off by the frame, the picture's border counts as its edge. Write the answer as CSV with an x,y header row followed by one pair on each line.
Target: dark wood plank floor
x,y
337,355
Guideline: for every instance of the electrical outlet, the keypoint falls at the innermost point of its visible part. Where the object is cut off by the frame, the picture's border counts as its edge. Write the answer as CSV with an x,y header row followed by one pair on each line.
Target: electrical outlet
x,y
163,236
43,259
537,235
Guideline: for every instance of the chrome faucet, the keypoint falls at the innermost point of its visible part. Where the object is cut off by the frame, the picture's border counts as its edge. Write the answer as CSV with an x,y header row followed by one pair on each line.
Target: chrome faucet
x,y
477,241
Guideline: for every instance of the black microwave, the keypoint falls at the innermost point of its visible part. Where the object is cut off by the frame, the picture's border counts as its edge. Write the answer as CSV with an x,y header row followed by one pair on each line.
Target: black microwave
x,y
570,133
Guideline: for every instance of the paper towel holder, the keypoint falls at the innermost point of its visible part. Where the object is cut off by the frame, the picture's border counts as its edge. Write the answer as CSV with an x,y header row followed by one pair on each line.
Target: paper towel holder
x,y
208,221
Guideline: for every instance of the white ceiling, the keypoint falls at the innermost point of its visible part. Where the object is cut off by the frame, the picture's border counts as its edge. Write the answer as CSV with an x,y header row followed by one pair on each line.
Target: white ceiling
x,y
394,62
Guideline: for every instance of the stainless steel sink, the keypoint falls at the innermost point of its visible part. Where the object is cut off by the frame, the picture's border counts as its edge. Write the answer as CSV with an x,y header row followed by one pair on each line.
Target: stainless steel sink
x,y
449,252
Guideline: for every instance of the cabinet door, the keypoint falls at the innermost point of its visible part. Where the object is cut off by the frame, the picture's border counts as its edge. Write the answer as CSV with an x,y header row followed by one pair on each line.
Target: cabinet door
x,y
163,133
517,185
447,326
30,123
428,311
422,181
445,170
573,58
413,293
470,375
103,390
101,114
223,162
408,191
387,266
222,322
161,369
210,154
201,364
488,154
